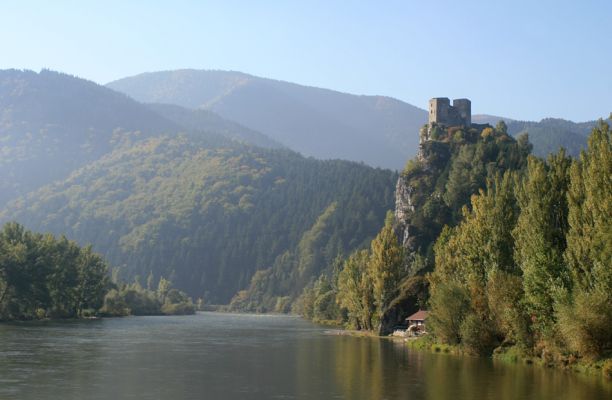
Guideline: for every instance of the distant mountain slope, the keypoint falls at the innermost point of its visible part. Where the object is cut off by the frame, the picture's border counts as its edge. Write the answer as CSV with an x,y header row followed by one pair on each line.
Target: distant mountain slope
x,y
488,119
548,135
208,217
204,120
52,123
377,130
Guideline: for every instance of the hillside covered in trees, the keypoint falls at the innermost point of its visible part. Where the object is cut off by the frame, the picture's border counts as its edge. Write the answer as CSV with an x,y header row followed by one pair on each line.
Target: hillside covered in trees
x,y
53,123
208,217
377,287
551,134
544,283
510,253
172,192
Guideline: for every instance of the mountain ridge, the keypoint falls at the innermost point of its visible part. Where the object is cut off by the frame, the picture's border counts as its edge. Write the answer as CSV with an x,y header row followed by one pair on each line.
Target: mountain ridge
x,y
323,123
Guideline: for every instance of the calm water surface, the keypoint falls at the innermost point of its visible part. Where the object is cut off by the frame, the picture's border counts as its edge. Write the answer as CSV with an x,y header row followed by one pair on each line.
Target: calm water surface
x,y
224,356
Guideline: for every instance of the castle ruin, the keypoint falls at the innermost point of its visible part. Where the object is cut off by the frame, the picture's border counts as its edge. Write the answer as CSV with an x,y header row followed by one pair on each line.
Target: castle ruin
x,y
443,114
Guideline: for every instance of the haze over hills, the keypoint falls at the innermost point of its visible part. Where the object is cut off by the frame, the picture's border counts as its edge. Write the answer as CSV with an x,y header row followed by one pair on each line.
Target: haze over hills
x,y
199,119
52,123
378,130
120,174
205,208
548,135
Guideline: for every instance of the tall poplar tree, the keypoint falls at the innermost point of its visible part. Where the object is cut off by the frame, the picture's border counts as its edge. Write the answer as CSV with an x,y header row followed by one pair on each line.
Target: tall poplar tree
x,y
386,266
540,234
584,312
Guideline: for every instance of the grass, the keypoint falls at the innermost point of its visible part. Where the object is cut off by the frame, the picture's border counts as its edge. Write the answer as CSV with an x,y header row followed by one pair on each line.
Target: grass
x,y
515,355
427,343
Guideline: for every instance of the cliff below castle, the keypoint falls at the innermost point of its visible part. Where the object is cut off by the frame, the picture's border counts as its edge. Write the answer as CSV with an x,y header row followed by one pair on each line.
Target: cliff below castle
x,y
452,164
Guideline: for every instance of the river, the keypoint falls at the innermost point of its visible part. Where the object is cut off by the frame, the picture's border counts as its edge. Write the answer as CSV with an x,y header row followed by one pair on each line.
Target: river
x,y
224,356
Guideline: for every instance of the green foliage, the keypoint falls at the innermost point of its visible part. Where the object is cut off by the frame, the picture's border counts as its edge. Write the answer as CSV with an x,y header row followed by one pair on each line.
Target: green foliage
x,y
385,267
133,299
540,235
356,292
318,302
551,134
448,172
448,305
585,320
449,169
53,123
537,275
589,240
43,276
585,306
209,217
477,336
476,255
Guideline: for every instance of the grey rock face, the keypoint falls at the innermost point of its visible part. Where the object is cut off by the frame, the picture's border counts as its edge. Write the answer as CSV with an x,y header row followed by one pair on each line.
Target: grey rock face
x,y
404,207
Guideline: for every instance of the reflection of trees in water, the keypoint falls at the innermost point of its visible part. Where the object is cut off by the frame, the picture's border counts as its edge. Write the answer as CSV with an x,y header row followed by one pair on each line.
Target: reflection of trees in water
x,y
462,377
370,368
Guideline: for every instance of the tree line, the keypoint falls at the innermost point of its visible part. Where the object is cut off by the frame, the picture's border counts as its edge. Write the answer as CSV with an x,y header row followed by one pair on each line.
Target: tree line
x,y
530,264
43,276
522,262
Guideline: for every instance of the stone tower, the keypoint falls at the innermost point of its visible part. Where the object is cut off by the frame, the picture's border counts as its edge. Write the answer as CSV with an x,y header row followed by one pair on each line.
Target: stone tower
x,y
442,113
464,109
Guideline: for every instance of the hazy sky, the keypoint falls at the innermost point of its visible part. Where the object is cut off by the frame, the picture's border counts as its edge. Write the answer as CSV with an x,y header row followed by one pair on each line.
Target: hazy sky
x,y
520,59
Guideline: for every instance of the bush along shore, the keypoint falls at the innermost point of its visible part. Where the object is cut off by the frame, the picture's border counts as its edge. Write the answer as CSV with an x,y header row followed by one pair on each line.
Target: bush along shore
x,y
45,277
515,355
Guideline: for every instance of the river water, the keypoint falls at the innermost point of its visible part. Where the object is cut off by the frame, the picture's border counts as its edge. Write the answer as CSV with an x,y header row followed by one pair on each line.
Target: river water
x,y
224,356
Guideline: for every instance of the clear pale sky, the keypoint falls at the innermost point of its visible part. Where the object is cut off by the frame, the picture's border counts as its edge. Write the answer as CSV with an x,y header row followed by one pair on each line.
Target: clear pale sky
x,y
519,59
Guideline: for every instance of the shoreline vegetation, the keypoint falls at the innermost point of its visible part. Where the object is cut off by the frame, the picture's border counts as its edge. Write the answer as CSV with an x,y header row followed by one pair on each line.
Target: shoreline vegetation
x,y
44,277
510,355
510,254
521,271
514,355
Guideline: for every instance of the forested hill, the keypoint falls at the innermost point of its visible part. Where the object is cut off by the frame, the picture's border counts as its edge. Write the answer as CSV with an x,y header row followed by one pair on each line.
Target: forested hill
x,y
548,135
377,130
52,123
207,217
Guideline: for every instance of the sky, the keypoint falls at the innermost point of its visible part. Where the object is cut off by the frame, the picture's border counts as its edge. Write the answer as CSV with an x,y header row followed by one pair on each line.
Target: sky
x,y
517,59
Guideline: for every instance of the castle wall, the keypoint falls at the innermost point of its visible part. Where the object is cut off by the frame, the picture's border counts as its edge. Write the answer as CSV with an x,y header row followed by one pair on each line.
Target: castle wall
x,y
438,109
442,113
464,108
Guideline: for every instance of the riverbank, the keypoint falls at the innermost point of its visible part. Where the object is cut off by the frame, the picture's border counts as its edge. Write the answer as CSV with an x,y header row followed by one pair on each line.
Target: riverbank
x,y
513,355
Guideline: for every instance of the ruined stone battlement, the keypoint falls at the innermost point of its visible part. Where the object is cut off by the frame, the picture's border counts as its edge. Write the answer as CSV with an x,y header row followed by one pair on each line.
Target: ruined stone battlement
x,y
442,113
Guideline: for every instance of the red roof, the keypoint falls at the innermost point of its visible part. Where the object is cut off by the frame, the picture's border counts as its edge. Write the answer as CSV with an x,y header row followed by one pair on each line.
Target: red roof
x,y
420,315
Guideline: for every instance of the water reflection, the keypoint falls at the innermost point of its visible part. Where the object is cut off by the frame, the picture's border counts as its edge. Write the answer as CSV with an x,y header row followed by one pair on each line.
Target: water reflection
x,y
217,356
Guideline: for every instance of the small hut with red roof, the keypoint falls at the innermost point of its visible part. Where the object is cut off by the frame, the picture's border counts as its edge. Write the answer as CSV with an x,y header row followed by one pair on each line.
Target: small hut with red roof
x,y
417,320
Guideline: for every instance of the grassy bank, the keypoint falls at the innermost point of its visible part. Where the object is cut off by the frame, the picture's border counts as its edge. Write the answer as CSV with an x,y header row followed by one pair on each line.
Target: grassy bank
x,y
514,355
